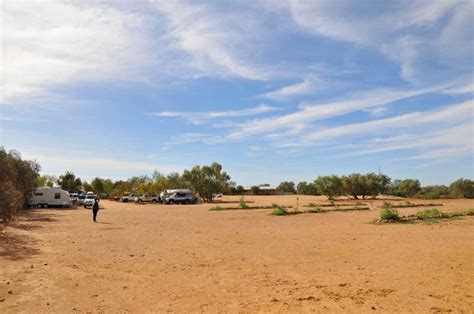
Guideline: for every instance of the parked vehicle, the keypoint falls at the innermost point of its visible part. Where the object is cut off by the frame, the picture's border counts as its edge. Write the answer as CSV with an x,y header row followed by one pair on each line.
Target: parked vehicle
x,y
147,198
89,200
47,197
80,199
217,195
73,197
178,196
126,197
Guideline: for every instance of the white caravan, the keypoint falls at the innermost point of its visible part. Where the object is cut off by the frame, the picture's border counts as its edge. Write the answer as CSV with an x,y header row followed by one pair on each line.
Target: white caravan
x,y
44,197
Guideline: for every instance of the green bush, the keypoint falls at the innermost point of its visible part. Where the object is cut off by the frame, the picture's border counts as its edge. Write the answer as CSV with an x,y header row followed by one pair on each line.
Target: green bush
x,y
434,213
278,210
216,208
386,205
390,214
430,214
243,204
315,210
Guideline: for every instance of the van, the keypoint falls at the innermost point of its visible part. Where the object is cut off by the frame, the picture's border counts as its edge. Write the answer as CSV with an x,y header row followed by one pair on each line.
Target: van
x,y
47,197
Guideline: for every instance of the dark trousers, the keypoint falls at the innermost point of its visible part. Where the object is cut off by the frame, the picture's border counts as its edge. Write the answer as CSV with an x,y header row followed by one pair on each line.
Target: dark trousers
x,y
94,214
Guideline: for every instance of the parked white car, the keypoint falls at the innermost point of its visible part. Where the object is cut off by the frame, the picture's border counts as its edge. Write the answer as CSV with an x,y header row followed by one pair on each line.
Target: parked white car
x,y
128,197
89,200
80,199
147,198
178,196
73,197
47,197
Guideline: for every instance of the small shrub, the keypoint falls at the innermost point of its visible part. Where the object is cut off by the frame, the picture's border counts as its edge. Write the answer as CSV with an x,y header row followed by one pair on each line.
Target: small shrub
x,y
315,210
358,204
216,208
243,204
389,214
386,205
430,214
278,210
311,205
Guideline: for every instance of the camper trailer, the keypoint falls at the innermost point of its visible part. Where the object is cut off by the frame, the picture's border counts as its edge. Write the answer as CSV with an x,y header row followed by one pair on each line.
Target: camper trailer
x,y
47,197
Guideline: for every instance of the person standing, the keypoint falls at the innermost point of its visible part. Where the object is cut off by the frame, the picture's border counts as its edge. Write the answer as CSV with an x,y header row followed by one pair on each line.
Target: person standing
x,y
95,209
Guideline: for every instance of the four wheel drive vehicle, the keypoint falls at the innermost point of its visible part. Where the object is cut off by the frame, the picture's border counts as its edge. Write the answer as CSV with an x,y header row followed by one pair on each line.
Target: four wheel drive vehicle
x,y
178,198
147,198
128,197
46,197
217,195
89,201
80,199
73,197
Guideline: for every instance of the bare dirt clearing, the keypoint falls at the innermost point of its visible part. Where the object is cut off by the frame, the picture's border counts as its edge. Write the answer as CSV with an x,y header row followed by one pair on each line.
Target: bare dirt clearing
x,y
187,259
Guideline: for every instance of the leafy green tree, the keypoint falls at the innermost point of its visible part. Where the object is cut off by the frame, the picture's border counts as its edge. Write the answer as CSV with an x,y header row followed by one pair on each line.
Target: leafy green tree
x,y
255,190
86,187
331,186
207,180
286,187
376,184
69,182
240,190
176,181
108,186
405,188
306,188
18,178
434,192
462,188
47,181
355,185
98,186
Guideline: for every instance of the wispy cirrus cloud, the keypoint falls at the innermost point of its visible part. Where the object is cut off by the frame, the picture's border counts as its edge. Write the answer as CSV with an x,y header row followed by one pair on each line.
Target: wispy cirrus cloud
x,y
201,117
215,42
447,115
307,86
407,31
308,113
50,44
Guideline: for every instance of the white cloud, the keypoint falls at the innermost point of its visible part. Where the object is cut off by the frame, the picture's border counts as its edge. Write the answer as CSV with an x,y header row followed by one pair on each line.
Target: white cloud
x,y
406,32
49,44
307,86
200,117
449,114
89,166
187,138
459,90
309,113
216,42
459,136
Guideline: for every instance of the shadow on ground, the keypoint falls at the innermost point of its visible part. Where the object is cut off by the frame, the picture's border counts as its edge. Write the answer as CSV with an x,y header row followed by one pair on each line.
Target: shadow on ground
x,y
16,243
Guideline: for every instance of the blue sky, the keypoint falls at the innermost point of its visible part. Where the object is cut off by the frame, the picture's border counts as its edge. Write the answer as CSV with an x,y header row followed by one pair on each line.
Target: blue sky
x,y
272,90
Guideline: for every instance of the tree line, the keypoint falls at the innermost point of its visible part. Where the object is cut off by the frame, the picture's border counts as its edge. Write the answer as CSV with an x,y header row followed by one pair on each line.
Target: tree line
x,y
19,177
208,180
370,185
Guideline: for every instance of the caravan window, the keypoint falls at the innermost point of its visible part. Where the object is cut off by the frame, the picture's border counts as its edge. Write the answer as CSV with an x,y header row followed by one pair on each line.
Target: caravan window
x,y
38,194
57,196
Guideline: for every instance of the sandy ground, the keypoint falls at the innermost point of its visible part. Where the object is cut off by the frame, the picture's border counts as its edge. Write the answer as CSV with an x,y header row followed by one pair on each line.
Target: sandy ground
x,y
187,259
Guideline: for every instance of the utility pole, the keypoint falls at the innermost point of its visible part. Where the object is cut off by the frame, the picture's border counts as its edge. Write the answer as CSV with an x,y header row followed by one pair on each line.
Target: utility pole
x,y
379,169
